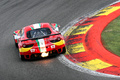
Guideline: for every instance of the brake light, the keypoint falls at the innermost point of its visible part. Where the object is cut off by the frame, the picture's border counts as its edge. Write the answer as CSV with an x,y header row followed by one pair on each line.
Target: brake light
x,y
27,46
24,45
58,39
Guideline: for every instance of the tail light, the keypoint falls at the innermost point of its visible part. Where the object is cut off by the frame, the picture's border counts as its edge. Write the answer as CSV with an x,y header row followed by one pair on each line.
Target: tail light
x,y
56,40
27,46
24,45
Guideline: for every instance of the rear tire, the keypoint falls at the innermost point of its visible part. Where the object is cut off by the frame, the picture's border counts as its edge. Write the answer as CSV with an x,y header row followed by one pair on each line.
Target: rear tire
x,y
16,44
22,57
64,50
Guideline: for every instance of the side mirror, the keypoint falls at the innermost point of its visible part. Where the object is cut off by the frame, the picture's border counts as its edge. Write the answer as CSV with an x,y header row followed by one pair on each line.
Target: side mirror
x,y
58,25
55,26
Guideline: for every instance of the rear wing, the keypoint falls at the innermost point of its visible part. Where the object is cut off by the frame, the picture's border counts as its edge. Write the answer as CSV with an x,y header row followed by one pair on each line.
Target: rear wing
x,y
41,37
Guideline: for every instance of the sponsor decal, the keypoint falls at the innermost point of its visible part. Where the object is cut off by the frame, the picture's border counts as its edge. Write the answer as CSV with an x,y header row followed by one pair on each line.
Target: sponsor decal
x,y
53,46
32,50
37,26
42,45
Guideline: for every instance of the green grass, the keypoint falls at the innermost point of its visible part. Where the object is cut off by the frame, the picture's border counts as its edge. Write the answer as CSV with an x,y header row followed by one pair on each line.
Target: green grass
x,y
111,36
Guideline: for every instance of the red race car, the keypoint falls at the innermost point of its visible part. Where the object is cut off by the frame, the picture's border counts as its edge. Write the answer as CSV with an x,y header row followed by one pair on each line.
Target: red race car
x,y
39,40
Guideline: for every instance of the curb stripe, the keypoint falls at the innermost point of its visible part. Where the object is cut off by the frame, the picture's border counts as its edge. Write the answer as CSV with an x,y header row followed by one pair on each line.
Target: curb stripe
x,y
96,61
76,48
74,39
107,11
68,32
95,64
81,29
111,70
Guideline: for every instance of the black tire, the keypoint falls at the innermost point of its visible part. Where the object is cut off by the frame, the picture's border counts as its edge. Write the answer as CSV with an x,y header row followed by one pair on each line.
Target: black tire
x,y
64,50
16,45
22,57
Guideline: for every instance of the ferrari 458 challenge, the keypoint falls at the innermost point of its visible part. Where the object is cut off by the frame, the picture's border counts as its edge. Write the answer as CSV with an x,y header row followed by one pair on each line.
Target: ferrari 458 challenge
x,y
39,40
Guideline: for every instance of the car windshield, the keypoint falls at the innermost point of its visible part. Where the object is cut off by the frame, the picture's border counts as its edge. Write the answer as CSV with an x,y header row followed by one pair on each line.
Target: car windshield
x,y
36,33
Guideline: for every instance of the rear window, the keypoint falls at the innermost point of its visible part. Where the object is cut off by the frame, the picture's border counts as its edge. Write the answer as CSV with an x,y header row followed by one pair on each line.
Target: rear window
x,y
38,33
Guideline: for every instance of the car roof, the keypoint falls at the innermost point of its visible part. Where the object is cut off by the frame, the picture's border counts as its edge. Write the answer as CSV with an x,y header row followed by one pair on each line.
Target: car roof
x,y
37,26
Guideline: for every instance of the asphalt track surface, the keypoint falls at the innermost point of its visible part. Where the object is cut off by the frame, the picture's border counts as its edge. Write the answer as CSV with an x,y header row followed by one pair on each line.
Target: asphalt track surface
x,y
15,14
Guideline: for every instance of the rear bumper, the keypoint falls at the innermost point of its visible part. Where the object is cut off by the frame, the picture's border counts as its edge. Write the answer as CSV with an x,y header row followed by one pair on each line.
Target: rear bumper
x,y
29,55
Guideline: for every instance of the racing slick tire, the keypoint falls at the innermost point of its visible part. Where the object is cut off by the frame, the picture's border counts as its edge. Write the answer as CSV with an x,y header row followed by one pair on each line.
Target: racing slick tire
x,y
64,50
21,57
16,44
